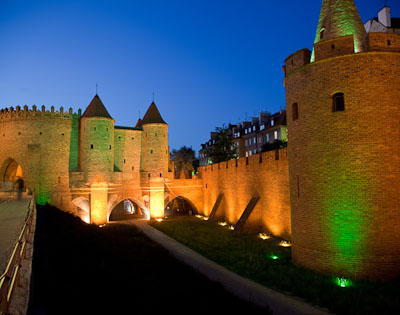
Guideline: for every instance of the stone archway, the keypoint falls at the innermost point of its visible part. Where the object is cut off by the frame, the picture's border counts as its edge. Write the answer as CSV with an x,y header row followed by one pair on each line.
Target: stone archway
x,y
128,209
180,206
10,171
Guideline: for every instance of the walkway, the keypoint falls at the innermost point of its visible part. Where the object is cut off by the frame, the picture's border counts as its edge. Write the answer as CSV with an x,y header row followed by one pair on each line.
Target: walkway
x,y
12,215
241,287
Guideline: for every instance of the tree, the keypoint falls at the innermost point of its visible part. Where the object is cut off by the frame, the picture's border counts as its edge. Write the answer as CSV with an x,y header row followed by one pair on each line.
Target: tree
x,y
277,144
183,159
223,149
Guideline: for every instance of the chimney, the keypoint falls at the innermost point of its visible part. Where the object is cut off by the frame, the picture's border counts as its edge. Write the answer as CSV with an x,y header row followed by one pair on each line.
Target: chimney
x,y
384,17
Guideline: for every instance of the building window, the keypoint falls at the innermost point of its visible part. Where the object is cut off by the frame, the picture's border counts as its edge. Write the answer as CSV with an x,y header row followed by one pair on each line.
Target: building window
x,y
91,146
250,153
254,128
250,141
272,123
254,140
262,127
245,142
338,102
247,154
276,134
295,111
267,137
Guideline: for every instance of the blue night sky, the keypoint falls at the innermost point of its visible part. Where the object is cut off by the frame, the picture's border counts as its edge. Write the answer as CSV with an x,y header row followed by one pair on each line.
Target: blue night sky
x,y
208,62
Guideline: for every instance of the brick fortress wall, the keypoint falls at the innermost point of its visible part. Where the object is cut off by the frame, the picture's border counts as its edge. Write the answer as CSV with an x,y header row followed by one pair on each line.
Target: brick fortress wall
x,y
344,165
266,175
39,140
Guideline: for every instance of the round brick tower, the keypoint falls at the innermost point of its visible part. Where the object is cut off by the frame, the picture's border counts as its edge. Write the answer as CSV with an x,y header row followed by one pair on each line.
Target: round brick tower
x,y
155,157
344,151
97,142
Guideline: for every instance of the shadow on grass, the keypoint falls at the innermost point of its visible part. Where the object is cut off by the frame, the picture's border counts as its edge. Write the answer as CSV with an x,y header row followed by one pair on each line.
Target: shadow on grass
x,y
84,269
251,257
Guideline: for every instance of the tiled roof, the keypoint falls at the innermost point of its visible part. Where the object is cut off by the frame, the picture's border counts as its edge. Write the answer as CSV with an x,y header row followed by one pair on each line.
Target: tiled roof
x,y
96,108
152,116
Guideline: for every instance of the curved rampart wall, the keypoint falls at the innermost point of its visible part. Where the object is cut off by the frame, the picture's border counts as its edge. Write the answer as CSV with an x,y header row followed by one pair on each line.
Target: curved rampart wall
x,y
345,165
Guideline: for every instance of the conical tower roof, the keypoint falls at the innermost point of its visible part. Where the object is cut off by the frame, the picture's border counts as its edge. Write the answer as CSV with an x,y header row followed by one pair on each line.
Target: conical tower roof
x,y
96,108
153,116
340,18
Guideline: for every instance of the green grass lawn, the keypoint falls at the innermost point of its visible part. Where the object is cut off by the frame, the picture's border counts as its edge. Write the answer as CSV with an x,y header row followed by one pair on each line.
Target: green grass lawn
x,y
251,257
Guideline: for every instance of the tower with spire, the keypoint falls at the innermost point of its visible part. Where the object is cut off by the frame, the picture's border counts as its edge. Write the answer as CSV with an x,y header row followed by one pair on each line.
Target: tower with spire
x,y
344,180
155,157
339,18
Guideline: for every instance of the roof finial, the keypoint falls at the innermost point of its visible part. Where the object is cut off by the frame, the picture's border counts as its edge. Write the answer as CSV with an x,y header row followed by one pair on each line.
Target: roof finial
x,y
153,97
96,88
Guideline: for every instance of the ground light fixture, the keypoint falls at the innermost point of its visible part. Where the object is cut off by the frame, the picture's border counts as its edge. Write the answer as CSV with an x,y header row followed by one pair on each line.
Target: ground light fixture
x,y
201,217
159,219
343,282
264,236
224,223
273,256
285,244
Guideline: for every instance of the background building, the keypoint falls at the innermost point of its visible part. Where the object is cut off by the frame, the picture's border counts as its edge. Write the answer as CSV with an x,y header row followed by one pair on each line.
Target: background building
x,y
250,137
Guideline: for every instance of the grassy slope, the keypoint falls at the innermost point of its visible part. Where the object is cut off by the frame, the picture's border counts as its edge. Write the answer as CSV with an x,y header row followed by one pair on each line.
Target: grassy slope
x,y
249,256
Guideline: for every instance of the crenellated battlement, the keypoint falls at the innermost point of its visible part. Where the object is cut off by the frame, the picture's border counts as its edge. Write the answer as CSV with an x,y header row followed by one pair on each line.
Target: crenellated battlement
x,y
12,113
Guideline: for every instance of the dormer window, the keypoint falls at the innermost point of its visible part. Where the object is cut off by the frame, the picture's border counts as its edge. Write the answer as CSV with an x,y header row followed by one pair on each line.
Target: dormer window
x,y
338,102
322,33
272,123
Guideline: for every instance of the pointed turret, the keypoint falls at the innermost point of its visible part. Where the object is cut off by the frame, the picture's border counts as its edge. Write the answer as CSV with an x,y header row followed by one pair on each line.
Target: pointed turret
x,y
155,158
153,116
340,18
96,154
96,108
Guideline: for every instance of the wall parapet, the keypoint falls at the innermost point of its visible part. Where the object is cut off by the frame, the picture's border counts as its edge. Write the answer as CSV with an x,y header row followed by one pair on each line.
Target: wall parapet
x,y
16,113
251,161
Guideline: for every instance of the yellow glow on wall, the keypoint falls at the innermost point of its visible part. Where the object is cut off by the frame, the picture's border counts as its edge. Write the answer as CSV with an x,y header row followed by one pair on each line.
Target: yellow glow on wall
x,y
157,203
98,203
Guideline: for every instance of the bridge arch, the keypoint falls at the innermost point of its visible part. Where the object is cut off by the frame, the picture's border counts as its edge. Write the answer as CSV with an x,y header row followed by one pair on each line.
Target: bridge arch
x,y
126,209
10,171
180,205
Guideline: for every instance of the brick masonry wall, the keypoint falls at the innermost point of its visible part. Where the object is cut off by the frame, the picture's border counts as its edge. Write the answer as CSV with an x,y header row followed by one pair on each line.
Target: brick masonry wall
x,y
40,142
240,180
383,42
344,166
96,148
155,153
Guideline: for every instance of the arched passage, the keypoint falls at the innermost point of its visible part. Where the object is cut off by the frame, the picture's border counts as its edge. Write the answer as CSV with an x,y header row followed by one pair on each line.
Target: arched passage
x,y
10,171
83,206
128,209
180,206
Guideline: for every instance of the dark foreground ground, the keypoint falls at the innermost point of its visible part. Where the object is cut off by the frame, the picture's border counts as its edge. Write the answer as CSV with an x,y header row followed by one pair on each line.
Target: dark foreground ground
x,y
83,269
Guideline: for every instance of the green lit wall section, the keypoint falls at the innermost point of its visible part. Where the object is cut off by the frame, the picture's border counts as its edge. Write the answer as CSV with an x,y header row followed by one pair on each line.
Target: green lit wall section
x,y
346,204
